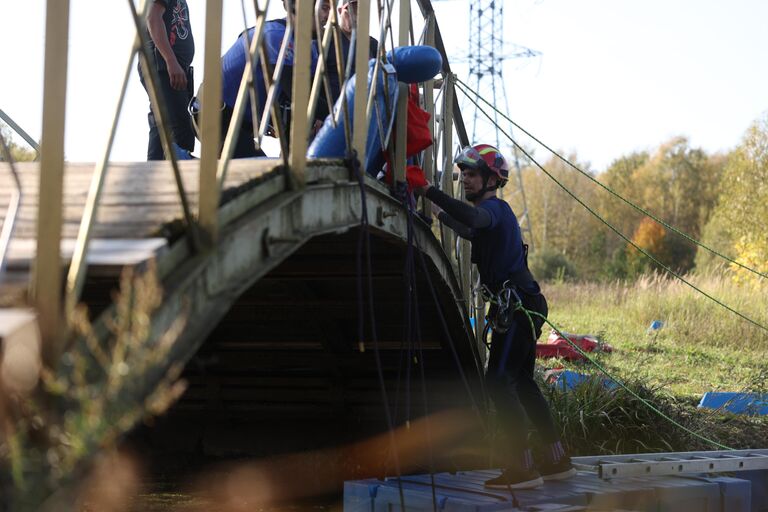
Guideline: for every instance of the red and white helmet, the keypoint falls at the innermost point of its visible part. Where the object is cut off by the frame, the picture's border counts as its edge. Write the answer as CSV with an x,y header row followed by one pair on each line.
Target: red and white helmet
x,y
484,156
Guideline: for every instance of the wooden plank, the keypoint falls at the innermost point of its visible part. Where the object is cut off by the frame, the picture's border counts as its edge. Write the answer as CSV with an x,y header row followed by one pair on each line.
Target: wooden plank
x,y
138,197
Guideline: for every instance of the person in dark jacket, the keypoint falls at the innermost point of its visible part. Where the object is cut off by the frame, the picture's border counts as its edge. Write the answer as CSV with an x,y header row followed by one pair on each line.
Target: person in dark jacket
x,y
501,259
172,48
347,21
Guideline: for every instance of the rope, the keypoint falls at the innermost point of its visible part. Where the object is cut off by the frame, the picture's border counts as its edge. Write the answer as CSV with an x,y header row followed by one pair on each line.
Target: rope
x,y
364,241
447,333
528,313
608,189
420,350
408,326
614,229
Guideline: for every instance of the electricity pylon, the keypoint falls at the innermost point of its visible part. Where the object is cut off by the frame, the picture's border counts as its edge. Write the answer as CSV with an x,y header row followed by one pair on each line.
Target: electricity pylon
x,y
487,53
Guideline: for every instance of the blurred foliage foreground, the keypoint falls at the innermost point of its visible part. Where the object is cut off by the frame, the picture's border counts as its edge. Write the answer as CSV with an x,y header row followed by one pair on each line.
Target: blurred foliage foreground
x,y
63,429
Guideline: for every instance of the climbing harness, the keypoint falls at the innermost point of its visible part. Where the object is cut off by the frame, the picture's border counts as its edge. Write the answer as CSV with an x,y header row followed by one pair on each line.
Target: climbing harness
x,y
505,302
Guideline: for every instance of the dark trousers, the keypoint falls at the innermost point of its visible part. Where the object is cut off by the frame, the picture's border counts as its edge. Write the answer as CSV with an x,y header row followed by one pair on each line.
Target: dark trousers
x,y
244,145
511,384
178,120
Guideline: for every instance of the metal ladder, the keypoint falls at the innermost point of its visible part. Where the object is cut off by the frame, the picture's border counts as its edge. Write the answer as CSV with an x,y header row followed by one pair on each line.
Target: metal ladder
x,y
674,463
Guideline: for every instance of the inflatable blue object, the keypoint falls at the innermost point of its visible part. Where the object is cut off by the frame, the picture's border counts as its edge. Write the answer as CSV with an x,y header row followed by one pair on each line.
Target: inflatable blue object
x,y
568,379
408,64
752,404
330,142
415,63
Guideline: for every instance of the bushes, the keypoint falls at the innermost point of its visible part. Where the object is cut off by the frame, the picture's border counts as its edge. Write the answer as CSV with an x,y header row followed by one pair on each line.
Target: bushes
x,y
548,265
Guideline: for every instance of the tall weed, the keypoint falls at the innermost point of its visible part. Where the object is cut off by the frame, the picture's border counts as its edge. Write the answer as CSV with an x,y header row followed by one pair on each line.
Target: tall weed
x,y
701,347
595,419
69,426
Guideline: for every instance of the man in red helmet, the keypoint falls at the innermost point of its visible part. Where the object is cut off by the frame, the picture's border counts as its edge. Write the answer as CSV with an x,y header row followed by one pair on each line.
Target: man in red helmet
x,y
501,259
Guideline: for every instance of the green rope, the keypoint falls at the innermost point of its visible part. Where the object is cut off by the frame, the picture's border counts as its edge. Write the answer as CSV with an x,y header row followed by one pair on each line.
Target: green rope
x,y
651,406
612,192
605,372
612,228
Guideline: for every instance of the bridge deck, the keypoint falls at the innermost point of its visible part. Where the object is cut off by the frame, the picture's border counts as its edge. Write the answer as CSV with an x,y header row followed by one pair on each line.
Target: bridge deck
x,y
137,198
139,211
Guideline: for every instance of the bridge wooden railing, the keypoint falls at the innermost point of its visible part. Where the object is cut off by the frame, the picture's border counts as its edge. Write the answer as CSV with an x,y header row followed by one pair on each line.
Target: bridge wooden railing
x,y
202,225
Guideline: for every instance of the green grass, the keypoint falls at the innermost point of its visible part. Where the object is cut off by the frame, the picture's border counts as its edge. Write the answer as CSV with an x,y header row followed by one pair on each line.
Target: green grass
x,y
702,347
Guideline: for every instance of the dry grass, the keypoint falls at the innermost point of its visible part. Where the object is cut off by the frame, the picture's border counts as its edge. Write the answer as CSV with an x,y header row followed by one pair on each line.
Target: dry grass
x,y
701,347
61,434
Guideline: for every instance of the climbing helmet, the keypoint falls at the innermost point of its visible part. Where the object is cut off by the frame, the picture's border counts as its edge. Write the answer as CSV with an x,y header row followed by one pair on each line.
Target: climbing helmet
x,y
484,156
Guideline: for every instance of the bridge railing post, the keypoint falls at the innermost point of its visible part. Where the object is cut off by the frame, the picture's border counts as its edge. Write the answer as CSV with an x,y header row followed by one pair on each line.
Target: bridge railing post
x,y
247,92
46,285
401,139
446,181
14,204
299,136
210,122
429,103
78,265
21,133
160,111
359,136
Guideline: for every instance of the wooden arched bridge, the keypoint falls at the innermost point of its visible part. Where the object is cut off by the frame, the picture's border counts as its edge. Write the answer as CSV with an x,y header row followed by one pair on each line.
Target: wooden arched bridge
x,y
308,305
270,343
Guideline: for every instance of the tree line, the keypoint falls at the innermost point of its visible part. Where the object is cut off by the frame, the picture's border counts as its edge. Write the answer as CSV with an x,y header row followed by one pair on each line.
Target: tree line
x,y
19,152
719,199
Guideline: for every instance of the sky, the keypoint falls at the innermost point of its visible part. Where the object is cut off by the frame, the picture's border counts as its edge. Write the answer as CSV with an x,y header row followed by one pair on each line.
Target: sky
x,y
613,76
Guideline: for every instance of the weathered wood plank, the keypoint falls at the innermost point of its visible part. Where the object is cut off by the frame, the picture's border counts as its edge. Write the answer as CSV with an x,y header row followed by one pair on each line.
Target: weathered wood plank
x,y
117,252
137,196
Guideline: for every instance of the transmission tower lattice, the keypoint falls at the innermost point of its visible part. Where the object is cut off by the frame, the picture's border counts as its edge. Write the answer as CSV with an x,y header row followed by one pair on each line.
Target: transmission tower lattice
x,y
487,54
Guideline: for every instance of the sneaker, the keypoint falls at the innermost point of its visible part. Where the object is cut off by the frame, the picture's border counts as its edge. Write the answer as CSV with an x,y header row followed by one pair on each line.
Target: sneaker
x,y
516,479
559,470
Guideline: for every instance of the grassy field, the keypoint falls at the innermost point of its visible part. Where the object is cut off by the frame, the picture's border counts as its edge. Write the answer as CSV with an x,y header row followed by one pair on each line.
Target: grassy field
x,y
701,347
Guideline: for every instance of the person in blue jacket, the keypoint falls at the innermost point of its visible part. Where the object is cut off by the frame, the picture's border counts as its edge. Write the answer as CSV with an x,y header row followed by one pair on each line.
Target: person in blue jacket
x,y
233,66
501,259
